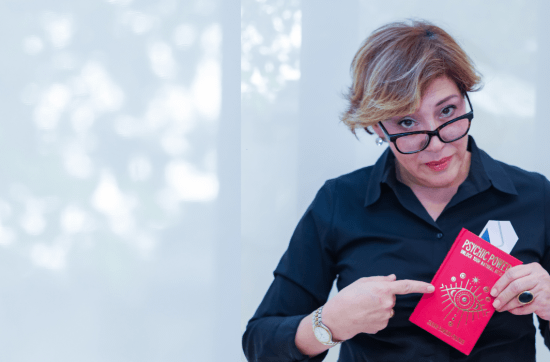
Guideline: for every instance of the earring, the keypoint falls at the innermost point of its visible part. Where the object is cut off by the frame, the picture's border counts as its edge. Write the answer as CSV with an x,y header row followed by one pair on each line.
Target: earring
x,y
379,141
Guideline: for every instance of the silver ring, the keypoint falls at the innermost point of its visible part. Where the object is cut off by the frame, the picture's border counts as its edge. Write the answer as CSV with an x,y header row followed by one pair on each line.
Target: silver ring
x,y
525,297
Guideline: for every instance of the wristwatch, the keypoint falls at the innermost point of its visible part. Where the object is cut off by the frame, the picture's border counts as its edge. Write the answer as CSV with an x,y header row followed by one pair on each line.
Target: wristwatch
x,y
322,333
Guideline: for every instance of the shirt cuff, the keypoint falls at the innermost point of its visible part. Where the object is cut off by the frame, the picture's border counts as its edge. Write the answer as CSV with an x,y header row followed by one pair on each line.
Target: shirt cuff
x,y
289,328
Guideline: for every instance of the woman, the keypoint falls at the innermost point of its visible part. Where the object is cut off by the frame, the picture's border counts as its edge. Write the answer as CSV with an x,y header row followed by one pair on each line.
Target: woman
x,y
384,230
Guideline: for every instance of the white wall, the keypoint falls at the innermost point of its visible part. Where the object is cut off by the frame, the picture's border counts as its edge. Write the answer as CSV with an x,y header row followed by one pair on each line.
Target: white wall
x,y
120,181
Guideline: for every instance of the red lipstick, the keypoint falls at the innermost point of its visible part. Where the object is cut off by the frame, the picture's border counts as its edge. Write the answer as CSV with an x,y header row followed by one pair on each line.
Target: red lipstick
x,y
439,165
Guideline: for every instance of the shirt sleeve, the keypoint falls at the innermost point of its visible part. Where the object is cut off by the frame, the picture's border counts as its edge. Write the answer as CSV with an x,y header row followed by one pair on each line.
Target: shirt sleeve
x,y
543,324
303,280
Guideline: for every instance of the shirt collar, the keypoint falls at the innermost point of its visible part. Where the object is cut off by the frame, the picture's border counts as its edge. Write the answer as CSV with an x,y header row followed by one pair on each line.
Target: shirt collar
x,y
484,172
493,170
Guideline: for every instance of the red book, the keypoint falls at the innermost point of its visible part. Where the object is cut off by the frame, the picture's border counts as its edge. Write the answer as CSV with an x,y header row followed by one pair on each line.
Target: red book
x,y
461,306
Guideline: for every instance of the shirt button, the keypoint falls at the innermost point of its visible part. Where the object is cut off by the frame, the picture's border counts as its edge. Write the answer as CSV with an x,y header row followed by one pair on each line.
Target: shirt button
x,y
439,235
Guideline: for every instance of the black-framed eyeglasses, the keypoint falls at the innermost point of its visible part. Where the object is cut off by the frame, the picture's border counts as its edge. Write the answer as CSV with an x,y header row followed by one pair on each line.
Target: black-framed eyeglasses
x,y
413,142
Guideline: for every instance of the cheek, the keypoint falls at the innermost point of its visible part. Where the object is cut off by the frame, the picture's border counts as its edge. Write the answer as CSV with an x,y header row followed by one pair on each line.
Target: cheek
x,y
461,147
410,162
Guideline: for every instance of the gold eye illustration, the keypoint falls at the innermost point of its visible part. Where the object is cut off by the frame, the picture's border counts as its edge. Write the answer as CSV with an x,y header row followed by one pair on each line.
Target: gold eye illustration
x,y
465,302
464,299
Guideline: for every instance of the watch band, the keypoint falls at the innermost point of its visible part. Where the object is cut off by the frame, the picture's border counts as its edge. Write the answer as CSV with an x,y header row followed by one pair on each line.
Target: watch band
x,y
317,323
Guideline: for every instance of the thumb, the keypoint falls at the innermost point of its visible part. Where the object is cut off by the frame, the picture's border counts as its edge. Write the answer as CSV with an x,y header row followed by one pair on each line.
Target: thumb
x,y
382,278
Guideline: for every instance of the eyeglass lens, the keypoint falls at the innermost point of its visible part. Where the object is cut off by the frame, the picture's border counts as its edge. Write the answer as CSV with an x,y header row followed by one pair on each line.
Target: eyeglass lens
x,y
449,133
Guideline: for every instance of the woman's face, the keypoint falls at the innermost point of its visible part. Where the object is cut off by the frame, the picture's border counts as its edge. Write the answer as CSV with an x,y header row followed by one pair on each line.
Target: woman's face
x,y
440,164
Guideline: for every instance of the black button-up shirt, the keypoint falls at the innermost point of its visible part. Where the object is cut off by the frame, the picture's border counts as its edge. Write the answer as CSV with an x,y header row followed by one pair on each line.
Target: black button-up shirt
x,y
367,223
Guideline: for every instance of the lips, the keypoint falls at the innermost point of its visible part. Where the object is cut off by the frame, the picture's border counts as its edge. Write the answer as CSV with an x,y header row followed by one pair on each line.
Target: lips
x,y
439,165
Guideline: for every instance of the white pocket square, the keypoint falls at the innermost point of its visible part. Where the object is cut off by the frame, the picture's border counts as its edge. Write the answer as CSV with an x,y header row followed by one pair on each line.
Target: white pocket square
x,y
501,234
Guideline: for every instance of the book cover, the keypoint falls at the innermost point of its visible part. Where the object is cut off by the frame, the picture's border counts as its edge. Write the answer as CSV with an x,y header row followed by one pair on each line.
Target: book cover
x,y
461,306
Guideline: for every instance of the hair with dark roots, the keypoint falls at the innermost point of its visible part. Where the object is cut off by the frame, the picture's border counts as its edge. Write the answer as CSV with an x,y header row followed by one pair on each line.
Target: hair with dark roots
x,y
394,66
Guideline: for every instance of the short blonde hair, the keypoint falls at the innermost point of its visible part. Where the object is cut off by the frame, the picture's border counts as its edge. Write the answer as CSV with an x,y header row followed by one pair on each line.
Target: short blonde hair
x,y
395,65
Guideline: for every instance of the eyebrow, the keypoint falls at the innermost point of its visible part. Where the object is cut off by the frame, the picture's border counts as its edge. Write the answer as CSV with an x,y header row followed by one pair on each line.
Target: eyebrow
x,y
437,105
445,99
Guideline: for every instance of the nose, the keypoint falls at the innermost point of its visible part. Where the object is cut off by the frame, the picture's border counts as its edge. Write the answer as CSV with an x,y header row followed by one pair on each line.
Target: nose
x,y
434,145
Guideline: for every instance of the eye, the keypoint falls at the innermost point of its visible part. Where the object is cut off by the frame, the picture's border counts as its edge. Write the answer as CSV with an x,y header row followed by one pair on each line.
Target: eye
x,y
448,111
464,303
407,123
464,299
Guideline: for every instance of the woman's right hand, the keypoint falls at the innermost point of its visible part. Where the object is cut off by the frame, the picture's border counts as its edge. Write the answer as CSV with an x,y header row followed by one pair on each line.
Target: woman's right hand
x,y
366,305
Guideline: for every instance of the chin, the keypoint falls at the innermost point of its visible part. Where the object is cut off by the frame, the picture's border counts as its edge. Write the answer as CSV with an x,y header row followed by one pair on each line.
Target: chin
x,y
446,179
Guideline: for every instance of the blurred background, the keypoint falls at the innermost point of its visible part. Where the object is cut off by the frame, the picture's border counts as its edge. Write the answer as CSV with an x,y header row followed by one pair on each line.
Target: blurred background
x,y
119,222
294,70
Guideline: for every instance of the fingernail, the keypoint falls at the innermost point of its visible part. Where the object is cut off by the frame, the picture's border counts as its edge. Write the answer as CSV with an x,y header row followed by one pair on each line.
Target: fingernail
x,y
496,304
430,288
494,292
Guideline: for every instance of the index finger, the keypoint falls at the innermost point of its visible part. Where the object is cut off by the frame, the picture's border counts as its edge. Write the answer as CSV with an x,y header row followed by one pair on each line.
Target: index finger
x,y
407,286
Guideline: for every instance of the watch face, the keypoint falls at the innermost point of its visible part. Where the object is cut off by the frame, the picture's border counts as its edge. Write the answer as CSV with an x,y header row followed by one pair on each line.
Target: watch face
x,y
322,334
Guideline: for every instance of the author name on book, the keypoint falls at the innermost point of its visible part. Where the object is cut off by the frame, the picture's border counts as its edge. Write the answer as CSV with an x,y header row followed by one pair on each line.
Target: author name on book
x,y
446,332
